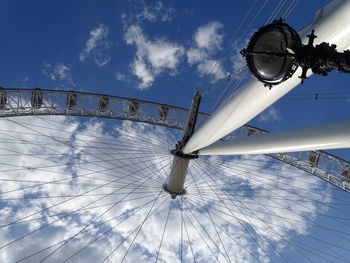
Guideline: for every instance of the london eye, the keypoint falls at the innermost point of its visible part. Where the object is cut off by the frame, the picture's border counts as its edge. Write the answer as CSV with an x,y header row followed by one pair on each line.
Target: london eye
x,y
92,177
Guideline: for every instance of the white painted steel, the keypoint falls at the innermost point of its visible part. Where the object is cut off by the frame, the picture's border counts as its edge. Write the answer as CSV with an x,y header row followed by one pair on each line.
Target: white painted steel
x,y
321,137
177,176
332,24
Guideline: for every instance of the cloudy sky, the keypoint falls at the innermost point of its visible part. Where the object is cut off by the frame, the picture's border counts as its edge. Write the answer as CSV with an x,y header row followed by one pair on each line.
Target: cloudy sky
x,y
78,190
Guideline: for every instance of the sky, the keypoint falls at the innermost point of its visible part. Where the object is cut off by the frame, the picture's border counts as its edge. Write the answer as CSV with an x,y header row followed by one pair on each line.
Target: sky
x,y
157,51
161,51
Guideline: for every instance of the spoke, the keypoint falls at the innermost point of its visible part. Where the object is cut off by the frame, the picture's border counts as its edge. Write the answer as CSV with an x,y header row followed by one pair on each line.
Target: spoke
x,y
166,223
127,215
250,222
107,183
188,238
137,230
44,226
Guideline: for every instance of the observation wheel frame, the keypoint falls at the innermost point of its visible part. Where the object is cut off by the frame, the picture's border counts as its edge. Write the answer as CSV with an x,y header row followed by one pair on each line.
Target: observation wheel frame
x,y
32,102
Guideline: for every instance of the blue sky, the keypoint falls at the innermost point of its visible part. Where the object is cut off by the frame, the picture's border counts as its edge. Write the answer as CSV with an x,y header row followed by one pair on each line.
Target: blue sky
x,y
163,51
85,46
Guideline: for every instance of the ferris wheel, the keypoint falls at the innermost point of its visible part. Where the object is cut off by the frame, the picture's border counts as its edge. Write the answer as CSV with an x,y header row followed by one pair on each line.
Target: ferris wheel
x,y
102,188
98,178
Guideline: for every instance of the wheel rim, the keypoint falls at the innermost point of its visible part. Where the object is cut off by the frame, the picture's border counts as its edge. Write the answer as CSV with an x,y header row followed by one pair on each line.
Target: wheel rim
x,y
234,209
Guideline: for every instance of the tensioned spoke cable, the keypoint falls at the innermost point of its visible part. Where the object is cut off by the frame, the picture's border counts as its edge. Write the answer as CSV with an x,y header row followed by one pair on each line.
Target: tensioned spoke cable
x,y
227,85
22,167
58,130
130,133
110,229
302,199
59,141
208,233
137,229
243,74
290,220
60,154
226,256
246,222
95,172
155,172
116,150
260,218
233,203
181,229
42,168
204,230
247,169
209,196
47,208
218,65
251,223
85,209
243,181
296,245
228,48
137,137
128,214
238,82
67,196
93,221
163,175
44,226
62,183
290,9
199,203
275,11
165,226
241,166
188,238
244,33
43,158
189,199
40,141
274,224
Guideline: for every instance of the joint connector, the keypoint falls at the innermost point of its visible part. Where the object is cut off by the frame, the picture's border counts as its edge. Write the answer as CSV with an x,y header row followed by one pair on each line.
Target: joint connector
x,y
173,195
179,153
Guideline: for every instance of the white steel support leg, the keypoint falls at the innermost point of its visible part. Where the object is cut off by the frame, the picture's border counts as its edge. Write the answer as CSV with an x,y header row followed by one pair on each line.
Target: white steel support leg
x,y
321,137
332,24
177,176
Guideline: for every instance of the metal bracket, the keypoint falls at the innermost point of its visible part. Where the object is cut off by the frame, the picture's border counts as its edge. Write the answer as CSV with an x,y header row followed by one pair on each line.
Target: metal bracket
x,y
189,128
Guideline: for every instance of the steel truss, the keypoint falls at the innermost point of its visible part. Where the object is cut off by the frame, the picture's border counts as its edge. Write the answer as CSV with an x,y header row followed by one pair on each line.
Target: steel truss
x,y
29,102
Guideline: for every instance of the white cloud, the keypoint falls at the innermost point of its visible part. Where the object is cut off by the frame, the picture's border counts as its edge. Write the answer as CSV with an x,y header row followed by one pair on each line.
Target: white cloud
x,y
149,11
140,70
269,115
58,72
97,45
254,204
211,67
122,77
208,37
153,57
208,42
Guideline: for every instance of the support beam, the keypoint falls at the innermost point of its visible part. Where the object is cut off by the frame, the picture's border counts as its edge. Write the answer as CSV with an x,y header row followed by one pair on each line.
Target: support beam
x,y
321,137
332,24
177,176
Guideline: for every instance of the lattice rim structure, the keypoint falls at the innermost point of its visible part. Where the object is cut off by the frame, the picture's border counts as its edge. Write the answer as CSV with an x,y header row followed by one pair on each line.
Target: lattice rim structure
x,y
29,102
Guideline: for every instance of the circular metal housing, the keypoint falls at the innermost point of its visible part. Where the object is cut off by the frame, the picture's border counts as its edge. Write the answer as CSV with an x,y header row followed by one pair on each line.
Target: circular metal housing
x,y
270,55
